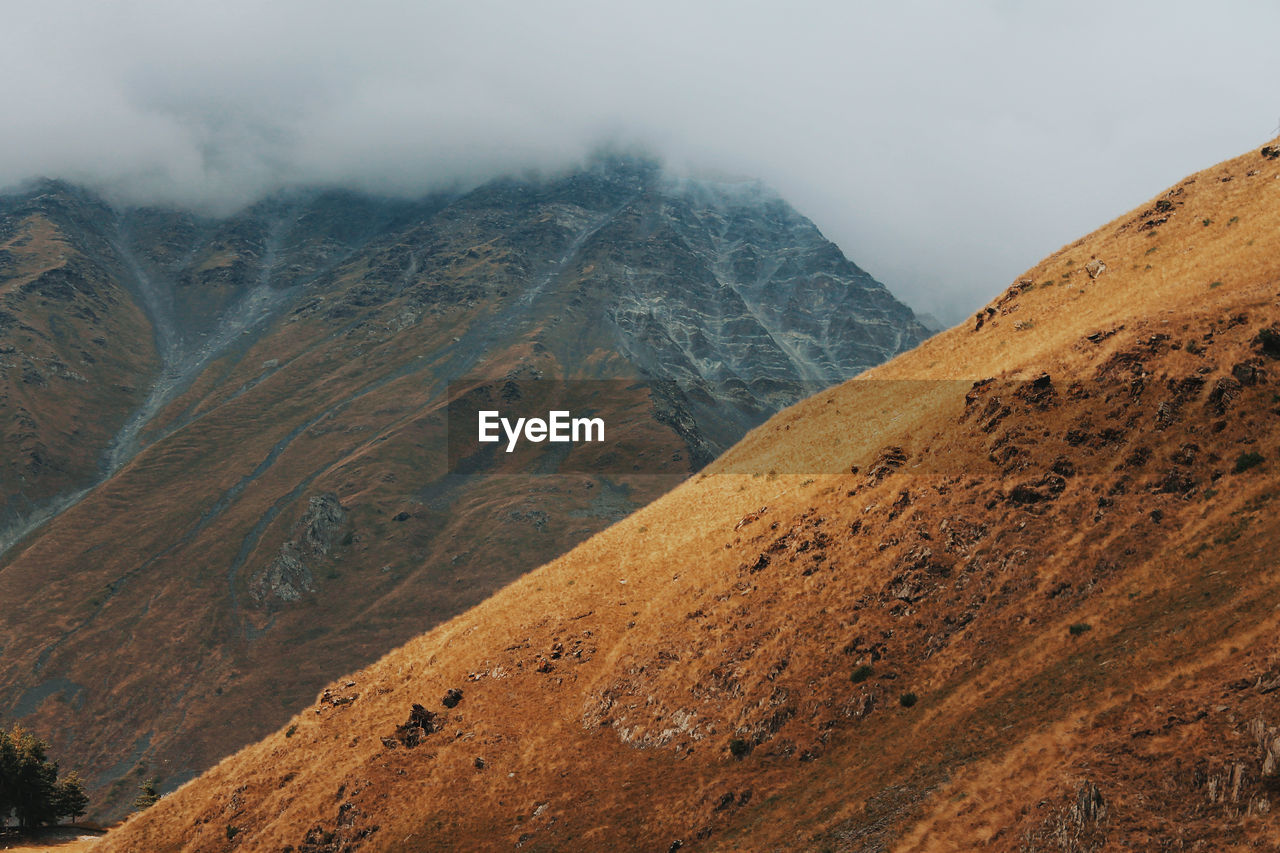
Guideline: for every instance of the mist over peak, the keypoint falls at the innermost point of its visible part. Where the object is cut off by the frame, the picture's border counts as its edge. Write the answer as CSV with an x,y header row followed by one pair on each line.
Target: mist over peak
x,y
947,144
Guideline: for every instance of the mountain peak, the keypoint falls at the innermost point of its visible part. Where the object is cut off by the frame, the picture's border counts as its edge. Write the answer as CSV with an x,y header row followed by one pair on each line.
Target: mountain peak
x,y
194,394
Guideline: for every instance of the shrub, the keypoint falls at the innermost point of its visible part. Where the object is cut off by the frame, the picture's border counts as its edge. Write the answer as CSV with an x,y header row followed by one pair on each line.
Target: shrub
x,y
861,673
739,747
1079,628
1248,460
908,699
291,731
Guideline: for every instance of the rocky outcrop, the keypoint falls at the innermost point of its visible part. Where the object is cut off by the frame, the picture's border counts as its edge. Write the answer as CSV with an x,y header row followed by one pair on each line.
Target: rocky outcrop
x,y
289,576
421,723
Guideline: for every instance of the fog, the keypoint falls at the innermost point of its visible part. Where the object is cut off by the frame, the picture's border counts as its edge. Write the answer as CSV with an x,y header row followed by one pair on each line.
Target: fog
x,y
945,146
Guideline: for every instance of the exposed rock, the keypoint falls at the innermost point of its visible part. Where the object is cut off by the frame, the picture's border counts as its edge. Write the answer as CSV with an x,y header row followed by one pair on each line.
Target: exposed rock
x,y
333,700
1223,394
917,574
286,579
289,575
1249,372
750,518
886,462
1095,268
347,833
1077,828
421,723
1039,391
321,524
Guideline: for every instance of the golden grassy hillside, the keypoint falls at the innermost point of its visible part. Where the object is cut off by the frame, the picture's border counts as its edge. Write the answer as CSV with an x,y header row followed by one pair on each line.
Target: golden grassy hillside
x,y
920,611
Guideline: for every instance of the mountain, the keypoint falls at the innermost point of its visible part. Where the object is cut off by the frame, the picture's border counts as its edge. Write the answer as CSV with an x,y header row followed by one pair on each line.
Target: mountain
x,y
227,474
1013,590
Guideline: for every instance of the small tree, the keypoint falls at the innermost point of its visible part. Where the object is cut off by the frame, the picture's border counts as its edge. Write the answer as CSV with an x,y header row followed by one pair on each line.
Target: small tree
x,y
35,782
72,800
147,795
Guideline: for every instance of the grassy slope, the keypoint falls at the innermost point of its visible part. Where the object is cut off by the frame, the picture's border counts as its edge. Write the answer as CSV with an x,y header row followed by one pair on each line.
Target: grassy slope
x,y
140,614
76,355
602,691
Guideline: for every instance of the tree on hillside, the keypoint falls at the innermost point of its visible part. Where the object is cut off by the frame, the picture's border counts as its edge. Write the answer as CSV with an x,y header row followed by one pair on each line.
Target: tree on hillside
x,y
29,784
72,800
147,795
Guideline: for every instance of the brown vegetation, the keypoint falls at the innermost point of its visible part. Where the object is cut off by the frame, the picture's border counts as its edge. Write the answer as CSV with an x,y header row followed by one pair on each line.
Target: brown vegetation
x,y
1062,564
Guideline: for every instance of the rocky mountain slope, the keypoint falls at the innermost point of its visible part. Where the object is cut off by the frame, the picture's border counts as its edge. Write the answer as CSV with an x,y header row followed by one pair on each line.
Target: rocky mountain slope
x,y
1014,590
226,476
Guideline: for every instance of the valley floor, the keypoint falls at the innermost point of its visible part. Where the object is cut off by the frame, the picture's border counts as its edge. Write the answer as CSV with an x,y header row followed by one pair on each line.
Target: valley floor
x,y
63,839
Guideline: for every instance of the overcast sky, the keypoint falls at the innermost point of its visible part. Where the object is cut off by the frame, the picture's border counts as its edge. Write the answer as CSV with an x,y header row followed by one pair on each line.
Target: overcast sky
x,y
945,146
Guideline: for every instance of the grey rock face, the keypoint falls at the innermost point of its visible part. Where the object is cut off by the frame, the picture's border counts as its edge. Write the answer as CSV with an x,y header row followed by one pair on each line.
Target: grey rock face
x,y
743,301
289,577
764,297
286,579
722,289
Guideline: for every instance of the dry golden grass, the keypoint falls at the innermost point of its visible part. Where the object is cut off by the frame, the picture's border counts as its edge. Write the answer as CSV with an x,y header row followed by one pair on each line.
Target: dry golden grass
x,y
605,691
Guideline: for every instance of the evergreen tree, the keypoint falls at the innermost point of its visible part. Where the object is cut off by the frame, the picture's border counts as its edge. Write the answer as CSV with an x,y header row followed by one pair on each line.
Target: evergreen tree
x,y
8,775
29,784
36,782
72,800
147,795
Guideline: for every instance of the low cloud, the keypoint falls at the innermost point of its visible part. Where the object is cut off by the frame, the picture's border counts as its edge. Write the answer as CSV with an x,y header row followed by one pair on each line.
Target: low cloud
x,y
944,146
